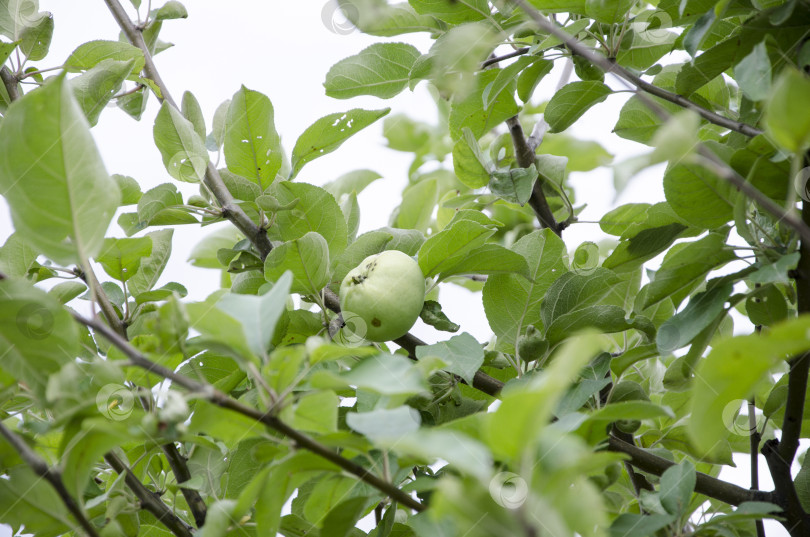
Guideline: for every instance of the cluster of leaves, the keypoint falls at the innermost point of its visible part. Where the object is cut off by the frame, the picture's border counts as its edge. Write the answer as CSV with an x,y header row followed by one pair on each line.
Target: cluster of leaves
x,y
598,359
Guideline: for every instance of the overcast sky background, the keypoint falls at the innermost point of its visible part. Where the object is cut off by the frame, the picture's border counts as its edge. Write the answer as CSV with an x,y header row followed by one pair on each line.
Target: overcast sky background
x,y
284,49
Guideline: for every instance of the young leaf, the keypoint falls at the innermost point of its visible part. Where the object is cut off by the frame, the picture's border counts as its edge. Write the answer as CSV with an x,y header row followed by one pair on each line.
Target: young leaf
x,y
511,302
308,260
380,70
462,354
329,133
730,372
183,150
121,258
573,100
90,54
60,195
252,145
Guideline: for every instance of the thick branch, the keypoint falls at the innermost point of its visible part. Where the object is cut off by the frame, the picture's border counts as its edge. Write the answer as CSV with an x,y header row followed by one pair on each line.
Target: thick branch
x,y
220,399
181,473
524,154
799,366
51,475
176,461
11,83
481,381
608,65
150,501
795,520
230,209
706,484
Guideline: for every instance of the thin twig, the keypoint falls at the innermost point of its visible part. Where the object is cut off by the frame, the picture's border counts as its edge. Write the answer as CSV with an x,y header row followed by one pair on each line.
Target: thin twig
x,y
103,300
496,59
150,501
230,209
723,170
222,400
51,475
609,65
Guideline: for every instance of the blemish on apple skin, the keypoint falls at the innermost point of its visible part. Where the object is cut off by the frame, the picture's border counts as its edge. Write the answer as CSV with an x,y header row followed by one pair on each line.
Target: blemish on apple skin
x,y
375,322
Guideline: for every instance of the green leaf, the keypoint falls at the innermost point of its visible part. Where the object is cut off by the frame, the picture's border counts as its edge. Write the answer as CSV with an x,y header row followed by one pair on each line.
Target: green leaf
x,y
385,424
511,302
377,17
684,268
531,77
354,181
36,38
183,150
469,164
488,259
204,253
468,111
152,267
638,122
329,132
17,256
66,291
677,485
191,110
171,10
252,145
514,185
381,70
308,260
787,116
699,196
645,231
37,505
768,307
506,77
258,315
130,189
317,412
632,525
60,196
156,200
573,291
731,370
703,309
608,11
753,73
462,354
582,155
121,258
383,374
452,11
607,318
526,407
573,100
641,49
90,54
418,202
433,315
37,335
451,245
316,211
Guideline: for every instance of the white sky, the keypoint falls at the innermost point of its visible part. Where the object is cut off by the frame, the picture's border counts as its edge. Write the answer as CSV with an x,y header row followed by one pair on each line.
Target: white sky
x,y
284,50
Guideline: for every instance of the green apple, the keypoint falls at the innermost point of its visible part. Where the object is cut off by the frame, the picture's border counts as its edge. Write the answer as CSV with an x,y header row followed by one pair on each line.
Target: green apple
x,y
383,295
